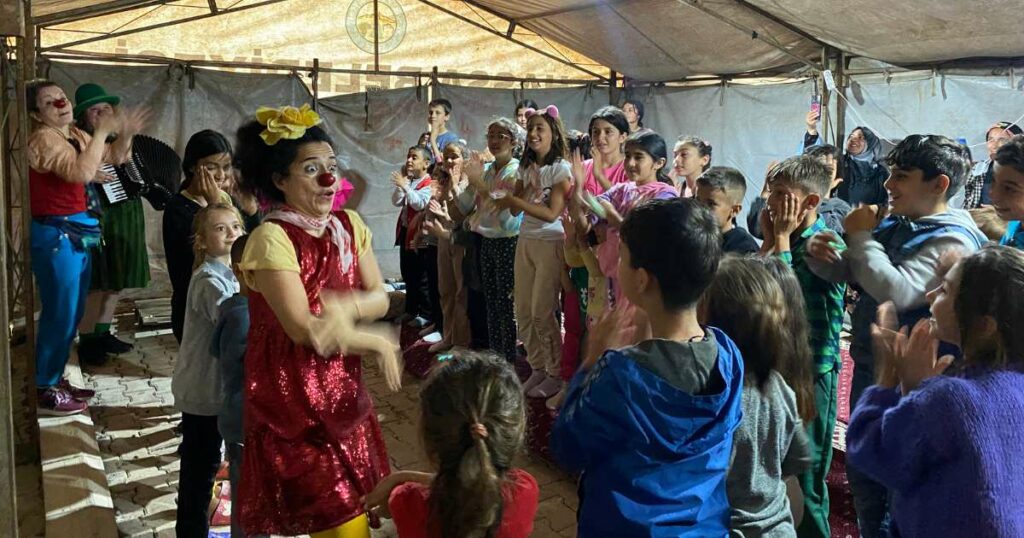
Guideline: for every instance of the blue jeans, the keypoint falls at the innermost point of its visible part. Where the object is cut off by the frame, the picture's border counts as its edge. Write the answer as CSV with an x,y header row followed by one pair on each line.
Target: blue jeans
x,y
870,499
62,273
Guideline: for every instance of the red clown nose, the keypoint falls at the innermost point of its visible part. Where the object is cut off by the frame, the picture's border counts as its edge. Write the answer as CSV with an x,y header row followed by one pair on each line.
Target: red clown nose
x,y
60,103
326,179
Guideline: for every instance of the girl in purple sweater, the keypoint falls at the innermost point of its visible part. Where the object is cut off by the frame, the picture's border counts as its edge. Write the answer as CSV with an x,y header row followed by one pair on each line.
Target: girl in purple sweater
x,y
948,446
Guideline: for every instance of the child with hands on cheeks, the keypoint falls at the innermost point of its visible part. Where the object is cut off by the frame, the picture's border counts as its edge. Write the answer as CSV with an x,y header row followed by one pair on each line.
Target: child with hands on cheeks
x,y
944,446
796,188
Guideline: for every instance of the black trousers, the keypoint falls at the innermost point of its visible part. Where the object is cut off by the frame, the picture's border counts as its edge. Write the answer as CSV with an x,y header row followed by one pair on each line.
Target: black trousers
x,y
477,307
200,460
419,271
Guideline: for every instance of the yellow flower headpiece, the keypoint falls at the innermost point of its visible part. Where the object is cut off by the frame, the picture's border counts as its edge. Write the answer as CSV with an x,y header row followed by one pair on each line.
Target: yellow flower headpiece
x,y
286,122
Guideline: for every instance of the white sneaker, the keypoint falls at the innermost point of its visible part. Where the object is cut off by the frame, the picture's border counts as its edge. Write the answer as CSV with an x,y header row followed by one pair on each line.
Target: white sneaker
x,y
536,378
418,322
546,389
432,338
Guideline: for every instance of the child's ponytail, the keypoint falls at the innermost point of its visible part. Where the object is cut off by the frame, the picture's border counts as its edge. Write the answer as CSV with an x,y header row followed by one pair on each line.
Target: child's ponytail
x,y
473,425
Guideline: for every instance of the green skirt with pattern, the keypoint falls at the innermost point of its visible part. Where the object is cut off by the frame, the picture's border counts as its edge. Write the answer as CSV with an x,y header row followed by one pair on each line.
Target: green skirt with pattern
x,y
121,262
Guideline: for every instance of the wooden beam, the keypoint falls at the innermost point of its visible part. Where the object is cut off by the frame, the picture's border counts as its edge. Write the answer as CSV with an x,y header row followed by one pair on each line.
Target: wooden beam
x,y
160,25
9,394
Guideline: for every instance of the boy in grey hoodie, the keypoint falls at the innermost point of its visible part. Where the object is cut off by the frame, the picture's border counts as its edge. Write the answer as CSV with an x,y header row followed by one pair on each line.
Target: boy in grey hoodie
x,y
893,256
228,346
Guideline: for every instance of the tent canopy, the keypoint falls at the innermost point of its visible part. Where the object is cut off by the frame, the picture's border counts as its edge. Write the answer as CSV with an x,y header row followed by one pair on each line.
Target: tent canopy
x,y
660,40
666,39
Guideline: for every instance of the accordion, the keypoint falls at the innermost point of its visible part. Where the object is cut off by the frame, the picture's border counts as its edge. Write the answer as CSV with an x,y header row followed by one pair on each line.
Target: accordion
x,y
153,172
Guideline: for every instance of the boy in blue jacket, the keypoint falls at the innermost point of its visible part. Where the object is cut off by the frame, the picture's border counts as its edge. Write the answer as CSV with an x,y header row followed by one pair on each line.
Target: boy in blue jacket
x,y
651,425
228,345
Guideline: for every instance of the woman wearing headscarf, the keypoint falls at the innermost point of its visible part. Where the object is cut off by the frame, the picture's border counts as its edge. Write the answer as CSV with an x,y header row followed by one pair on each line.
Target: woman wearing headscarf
x,y
862,167
977,188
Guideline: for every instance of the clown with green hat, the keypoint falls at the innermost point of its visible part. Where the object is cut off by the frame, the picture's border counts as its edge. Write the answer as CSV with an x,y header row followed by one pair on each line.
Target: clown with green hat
x,y
90,94
122,262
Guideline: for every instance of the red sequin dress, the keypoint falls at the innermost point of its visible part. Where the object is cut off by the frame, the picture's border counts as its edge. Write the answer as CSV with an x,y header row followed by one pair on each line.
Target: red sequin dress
x,y
313,446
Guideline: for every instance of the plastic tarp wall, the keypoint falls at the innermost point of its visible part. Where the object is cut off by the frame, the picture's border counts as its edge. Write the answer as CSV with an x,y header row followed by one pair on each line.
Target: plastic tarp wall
x,y
183,103
474,108
750,126
373,132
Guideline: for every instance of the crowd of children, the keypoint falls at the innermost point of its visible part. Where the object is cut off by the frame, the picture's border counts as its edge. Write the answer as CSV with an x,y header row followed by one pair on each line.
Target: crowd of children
x,y
694,370
746,352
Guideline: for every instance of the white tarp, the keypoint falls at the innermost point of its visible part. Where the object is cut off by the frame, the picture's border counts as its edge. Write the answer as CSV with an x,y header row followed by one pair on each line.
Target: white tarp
x,y
748,126
373,132
474,108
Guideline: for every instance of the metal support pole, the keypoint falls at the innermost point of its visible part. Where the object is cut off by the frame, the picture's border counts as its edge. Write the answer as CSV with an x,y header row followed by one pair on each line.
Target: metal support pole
x,y
826,99
840,76
316,84
613,78
376,35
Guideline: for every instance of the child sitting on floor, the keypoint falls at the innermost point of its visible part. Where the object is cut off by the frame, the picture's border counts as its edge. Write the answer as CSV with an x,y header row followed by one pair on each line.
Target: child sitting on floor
x,y
473,425
722,189
746,301
947,447
651,425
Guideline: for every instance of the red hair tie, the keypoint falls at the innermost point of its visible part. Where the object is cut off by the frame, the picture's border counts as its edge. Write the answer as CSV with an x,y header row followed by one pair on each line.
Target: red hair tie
x,y
478,430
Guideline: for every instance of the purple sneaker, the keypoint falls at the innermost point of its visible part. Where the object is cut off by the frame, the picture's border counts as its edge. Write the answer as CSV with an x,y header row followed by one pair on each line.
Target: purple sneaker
x,y
57,402
75,392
